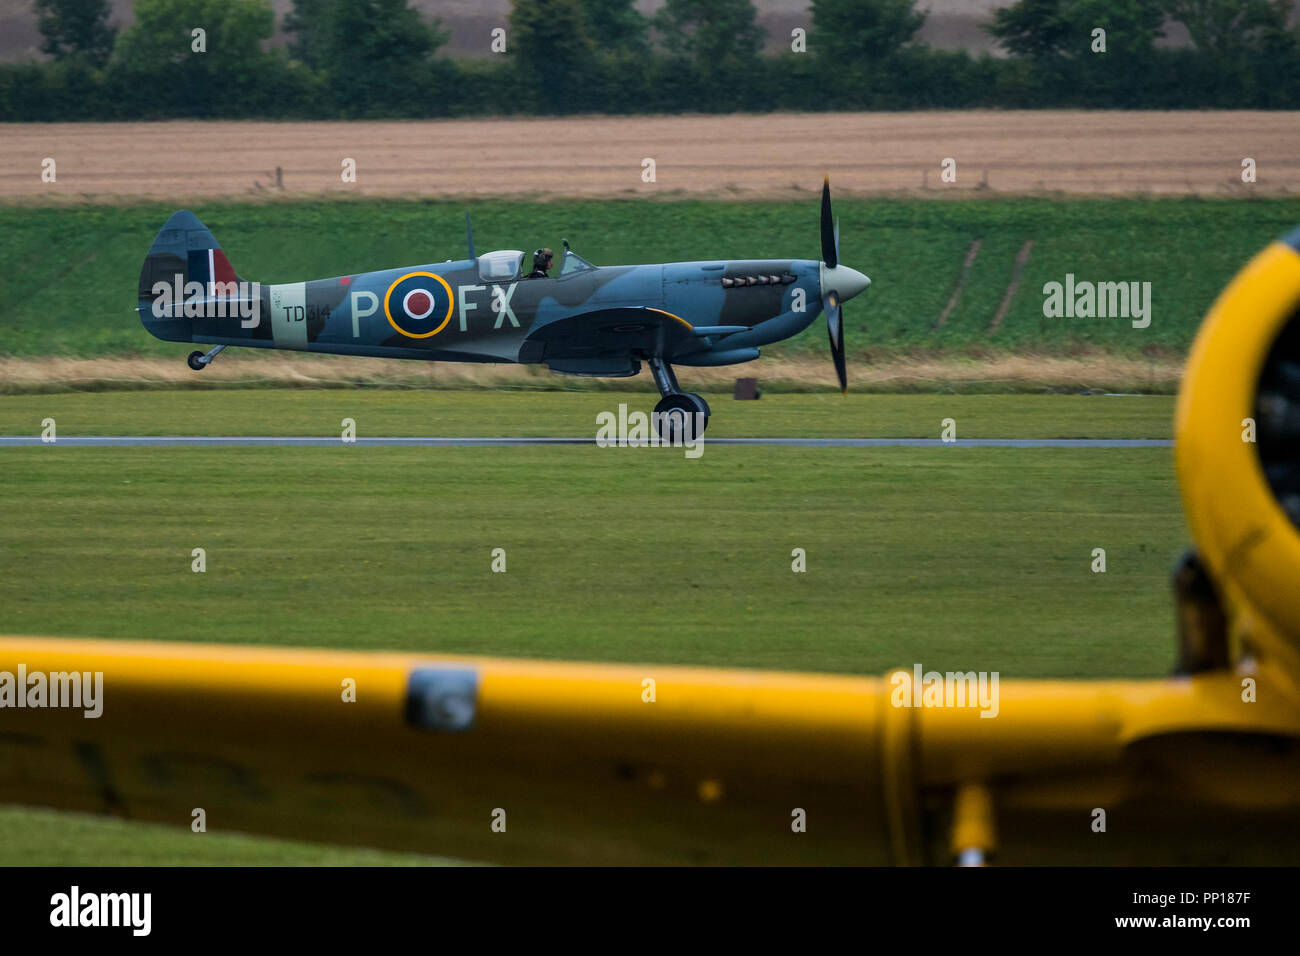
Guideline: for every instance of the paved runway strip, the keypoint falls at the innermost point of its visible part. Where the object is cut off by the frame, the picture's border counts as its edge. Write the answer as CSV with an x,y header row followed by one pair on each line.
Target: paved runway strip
x,y
219,440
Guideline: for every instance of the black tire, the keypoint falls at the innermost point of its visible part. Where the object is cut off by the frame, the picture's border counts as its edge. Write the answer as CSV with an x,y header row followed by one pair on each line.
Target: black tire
x,y
194,361
705,405
674,418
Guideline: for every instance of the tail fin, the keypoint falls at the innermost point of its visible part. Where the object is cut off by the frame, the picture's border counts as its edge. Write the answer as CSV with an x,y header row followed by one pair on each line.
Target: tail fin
x,y
183,252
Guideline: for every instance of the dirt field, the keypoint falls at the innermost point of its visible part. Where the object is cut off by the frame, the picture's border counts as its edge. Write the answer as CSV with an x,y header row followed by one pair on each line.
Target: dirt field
x,y
742,157
997,373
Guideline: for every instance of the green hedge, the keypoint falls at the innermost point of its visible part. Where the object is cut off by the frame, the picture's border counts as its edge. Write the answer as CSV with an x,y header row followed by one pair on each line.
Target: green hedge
x,y
912,78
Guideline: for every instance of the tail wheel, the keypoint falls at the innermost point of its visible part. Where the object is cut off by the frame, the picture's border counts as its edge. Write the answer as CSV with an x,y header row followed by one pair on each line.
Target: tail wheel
x,y
195,361
681,417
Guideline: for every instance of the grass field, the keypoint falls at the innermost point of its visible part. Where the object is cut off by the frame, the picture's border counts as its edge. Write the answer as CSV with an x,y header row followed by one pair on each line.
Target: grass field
x,y
68,275
956,558
30,837
531,414
971,558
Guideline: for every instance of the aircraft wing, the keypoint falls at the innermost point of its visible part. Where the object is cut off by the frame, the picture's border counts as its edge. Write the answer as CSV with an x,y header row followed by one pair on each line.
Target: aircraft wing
x,y
606,332
529,761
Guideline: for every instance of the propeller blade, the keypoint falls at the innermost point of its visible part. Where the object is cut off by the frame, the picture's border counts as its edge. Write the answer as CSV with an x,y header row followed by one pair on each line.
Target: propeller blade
x,y
830,238
835,331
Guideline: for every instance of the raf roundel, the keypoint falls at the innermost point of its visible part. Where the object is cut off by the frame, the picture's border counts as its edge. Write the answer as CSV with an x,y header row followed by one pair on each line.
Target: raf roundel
x,y
418,304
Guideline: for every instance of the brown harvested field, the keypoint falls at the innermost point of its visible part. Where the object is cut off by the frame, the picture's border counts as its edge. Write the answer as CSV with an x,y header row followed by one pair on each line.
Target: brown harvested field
x,y
742,157
997,373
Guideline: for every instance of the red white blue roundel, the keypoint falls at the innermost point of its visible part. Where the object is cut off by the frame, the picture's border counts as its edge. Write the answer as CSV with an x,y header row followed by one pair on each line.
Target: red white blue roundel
x,y
418,304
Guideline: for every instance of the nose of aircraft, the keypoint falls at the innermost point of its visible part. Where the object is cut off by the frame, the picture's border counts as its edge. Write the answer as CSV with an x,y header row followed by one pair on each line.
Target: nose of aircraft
x,y
843,281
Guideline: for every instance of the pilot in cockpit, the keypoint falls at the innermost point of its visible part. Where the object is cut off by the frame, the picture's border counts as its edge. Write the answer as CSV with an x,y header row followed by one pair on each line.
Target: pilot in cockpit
x,y
541,264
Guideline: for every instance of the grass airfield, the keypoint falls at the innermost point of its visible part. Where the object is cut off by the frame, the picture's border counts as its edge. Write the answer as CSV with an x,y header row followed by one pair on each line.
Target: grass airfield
x,y
31,837
551,414
957,558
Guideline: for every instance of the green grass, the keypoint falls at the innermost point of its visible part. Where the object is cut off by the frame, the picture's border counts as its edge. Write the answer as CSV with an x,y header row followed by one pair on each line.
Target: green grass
x,y
956,558
68,275
32,837
967,558
469,413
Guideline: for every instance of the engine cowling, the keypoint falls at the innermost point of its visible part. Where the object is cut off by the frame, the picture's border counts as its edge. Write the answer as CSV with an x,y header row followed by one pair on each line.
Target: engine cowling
x,y
1237,432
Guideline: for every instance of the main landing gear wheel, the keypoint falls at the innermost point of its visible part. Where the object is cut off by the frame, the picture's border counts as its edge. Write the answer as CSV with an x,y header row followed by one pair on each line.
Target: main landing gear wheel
x,y
675,417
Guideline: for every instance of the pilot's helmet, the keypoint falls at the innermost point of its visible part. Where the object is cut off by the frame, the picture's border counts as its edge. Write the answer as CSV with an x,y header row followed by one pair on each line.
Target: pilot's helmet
x,y
542,258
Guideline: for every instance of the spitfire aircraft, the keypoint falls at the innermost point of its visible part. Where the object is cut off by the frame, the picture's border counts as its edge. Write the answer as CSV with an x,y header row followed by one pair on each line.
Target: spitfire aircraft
x,y
582,320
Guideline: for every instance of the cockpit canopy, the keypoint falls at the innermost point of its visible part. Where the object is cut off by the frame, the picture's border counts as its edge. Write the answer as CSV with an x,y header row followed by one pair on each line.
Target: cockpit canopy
x,y
502,265
505,265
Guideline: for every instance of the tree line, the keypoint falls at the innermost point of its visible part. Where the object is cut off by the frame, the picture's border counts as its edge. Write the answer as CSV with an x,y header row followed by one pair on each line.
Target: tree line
x,y
381,59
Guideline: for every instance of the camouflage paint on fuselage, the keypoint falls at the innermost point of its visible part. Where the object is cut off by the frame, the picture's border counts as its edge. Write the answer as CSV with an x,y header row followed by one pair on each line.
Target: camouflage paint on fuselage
x,y
450,311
